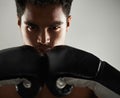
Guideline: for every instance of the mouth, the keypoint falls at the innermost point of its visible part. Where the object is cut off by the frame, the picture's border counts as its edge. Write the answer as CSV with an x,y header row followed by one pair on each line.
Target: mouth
x,y
43,48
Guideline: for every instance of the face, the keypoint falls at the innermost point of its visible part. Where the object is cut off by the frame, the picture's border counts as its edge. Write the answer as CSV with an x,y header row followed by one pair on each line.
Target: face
x,y
44,27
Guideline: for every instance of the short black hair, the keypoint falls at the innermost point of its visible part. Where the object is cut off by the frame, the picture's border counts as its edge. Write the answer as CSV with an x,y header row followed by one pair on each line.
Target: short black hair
x,y
21,4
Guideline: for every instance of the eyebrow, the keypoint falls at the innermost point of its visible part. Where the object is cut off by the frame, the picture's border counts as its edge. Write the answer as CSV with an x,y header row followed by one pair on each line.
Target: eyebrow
x,y
30,23
56,23
52,24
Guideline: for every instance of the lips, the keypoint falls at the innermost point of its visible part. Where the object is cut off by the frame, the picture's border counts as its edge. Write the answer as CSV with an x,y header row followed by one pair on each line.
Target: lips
x,y
43,48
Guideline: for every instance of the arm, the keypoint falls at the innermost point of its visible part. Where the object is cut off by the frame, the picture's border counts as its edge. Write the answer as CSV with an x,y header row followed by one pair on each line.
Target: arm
x,y
70,66
24,67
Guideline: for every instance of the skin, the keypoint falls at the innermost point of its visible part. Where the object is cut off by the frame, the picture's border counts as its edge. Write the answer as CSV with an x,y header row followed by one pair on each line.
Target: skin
x,y
44,28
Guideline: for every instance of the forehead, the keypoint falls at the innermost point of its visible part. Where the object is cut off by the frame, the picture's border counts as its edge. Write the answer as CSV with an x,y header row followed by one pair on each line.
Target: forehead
x,y
43,14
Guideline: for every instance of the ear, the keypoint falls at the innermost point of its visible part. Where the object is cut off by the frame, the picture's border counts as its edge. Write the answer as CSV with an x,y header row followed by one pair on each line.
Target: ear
x,y
69,18
19,21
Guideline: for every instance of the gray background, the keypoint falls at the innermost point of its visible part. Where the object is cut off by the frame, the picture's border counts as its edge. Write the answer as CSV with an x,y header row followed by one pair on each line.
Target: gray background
x,y
95,28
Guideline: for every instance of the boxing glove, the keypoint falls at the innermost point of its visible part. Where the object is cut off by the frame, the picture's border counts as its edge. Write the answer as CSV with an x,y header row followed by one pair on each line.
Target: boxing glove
x,y
69,67
24,67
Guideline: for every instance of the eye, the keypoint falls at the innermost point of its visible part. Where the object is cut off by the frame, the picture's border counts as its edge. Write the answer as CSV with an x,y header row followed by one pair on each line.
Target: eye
x,y
54,28
32,28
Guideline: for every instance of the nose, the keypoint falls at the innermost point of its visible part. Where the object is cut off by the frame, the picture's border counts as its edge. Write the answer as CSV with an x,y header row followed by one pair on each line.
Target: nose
x,y
43,37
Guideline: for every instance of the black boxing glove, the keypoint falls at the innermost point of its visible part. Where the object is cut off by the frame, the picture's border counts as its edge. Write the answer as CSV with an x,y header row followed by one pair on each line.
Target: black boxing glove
x,y
73,67
22,66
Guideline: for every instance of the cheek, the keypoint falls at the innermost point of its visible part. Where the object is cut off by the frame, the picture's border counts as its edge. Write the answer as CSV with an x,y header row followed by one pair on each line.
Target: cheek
x,y
28,38
58,38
